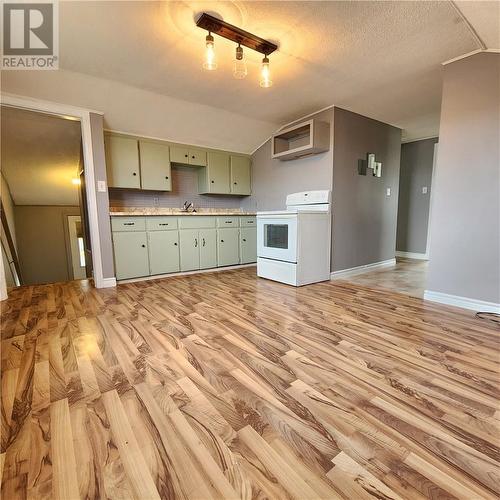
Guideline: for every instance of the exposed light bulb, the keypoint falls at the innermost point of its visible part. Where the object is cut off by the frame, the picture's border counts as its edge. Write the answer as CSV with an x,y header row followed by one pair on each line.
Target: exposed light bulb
x,y
210,63
76,181
265,74
240,66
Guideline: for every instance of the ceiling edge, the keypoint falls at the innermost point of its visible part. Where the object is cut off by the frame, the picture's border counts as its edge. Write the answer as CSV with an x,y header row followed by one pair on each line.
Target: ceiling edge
x,y
468,54
472,30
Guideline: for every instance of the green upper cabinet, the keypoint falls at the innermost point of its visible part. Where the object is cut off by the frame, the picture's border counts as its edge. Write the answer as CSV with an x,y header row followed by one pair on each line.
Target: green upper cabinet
x,y
240,175
122,162
155,166
188,156
215,177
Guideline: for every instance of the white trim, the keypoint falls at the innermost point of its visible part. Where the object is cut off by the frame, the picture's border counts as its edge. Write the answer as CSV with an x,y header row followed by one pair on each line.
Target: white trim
x,y
468,54
344,273
421,139
186,273
464,302
431,199
83,115
108,283
413,255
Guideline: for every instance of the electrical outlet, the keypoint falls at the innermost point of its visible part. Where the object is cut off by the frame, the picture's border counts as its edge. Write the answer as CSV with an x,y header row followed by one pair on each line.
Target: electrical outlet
x,y
424,190
101,186
156,201
388,192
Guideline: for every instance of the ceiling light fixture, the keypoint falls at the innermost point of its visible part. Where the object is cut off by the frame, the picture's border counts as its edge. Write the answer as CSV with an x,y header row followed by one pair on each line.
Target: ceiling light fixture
x,y
210,63
76,181
240,66
241,37
265,74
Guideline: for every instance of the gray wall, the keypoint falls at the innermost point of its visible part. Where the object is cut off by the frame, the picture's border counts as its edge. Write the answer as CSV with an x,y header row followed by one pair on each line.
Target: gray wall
x,y
41,241
465,225
364,218
413,206
97,131
272,179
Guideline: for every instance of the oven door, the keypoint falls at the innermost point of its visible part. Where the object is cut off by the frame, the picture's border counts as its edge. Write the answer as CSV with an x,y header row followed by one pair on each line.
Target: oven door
x,y
277,237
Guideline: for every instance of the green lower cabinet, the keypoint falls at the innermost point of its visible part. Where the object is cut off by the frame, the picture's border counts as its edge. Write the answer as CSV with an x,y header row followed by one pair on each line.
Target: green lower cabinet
x,y
131,254
189,249
228,246
208,248
163,252
248,245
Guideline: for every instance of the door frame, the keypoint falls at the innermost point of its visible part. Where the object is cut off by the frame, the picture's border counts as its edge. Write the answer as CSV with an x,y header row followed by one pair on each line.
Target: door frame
x,y
83,116
431,200
68,226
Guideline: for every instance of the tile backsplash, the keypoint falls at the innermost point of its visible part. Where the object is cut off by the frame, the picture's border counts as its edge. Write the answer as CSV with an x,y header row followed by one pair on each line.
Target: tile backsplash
x,y
184,188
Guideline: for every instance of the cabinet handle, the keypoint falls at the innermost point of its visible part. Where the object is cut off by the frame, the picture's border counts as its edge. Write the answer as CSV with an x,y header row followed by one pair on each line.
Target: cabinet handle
x,y
129,223
134,173
244,239
222,241
229,222
203,242
166,177
175,243
192,157
235,183
185,156
163,224
143,246
196,242
212,182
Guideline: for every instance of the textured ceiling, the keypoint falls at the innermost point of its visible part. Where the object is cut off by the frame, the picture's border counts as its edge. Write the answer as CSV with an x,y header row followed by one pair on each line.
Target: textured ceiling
x,y
484,17
40,155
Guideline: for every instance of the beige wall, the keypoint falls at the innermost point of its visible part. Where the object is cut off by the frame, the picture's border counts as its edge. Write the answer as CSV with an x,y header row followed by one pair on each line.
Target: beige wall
x,y
135,111
465,220
8,206
41,237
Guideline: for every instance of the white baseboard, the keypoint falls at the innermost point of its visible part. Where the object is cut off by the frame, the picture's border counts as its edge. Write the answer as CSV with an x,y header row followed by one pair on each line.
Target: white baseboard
x,y
413,255
106,283
186,273
464,302
344,273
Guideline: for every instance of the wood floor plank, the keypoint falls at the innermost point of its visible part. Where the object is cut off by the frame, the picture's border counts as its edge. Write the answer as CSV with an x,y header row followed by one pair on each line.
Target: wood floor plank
x,y
224,385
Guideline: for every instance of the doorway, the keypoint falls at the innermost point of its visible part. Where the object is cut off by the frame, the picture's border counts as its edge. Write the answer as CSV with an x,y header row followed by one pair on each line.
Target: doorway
x,y
41,169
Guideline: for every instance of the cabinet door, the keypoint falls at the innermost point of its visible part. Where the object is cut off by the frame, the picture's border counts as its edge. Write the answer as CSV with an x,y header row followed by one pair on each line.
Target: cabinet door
x,y
240,175
155,166
163,252
228,247
131,254
190,249
248,245
198,158
122,162
218,173
208,248
178,154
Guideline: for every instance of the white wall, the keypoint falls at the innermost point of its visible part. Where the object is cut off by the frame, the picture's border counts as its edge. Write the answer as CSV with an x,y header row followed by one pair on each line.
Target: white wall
x,y
132,110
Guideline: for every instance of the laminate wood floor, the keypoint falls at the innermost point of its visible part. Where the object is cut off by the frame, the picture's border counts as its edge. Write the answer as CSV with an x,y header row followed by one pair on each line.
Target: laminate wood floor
x,y
407,276
224,385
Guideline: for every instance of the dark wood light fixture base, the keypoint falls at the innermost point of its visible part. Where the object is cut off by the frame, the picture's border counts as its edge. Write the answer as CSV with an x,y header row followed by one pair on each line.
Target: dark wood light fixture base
x,y
226,30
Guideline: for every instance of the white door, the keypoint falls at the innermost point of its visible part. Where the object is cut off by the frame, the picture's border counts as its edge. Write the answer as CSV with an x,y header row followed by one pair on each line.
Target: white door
x,y
77,248
277,237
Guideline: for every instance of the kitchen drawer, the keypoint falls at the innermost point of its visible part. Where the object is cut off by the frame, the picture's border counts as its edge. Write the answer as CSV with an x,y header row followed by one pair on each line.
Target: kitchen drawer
x,y
161,223
196,221
249,221
230,221
128,224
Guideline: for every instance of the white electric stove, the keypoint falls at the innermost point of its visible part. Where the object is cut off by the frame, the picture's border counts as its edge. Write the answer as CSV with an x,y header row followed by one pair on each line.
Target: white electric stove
x,y
293,245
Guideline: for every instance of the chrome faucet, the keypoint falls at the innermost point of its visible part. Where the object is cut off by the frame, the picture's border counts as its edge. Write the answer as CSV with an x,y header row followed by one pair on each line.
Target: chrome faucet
x,y
188,207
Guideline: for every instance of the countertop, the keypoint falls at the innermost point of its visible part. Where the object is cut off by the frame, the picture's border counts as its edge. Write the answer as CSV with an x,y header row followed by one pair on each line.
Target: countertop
x,y
128,211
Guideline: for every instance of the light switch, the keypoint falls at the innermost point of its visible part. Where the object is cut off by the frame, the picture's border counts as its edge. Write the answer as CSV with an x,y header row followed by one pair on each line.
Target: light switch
x,y
388,191
101,186
424,190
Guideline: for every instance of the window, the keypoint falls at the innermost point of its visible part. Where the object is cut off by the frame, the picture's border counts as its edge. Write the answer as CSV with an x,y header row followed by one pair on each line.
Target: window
x,y
81,252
